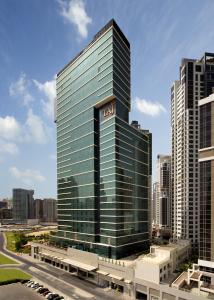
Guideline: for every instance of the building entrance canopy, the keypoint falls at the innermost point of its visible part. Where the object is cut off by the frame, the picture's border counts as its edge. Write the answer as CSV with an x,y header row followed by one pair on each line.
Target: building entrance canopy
x,y
79,265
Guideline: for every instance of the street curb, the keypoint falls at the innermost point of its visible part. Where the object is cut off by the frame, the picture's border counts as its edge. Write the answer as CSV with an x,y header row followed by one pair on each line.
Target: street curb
x,y
5,248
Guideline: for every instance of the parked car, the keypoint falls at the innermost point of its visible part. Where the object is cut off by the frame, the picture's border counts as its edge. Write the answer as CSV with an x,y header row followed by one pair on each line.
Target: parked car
x,y
49,296
59,298
42,290
53,296
29,283
46,293
39,287
36,285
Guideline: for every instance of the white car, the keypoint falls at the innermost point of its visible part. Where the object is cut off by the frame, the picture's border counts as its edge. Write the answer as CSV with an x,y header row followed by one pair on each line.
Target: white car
x,y
48,295
39,287
29,283
34,285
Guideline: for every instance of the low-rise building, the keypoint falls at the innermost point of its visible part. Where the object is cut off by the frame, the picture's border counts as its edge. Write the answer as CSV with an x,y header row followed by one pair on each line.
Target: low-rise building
x,y
159,265
198,280
138,278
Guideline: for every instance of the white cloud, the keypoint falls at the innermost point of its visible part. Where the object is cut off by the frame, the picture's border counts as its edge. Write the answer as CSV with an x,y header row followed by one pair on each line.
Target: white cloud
x,y
8,148
10,129
148,107
35,129
27,176
48,88
20,89
75,13
32,130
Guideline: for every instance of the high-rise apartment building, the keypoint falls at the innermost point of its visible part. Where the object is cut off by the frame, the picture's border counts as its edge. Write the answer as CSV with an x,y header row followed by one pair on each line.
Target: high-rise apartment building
x,y
23,205
49,210
103,162
162,192
206,165
38,207
154,203
46,210
196,82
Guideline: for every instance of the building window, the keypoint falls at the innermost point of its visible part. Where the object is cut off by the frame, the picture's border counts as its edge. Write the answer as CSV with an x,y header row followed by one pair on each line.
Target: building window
x,y
205,126
198,68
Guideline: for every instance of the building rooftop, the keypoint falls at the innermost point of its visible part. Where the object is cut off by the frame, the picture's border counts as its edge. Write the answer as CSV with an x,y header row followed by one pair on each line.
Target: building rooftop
x,y
111,23
154,259
161,254
172,246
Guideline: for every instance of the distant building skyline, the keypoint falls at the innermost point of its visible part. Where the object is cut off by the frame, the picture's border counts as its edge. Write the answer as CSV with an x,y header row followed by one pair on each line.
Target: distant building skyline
x,y
25,207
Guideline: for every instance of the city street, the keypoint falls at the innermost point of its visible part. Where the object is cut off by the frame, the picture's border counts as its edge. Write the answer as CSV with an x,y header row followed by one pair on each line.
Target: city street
x,y
68,284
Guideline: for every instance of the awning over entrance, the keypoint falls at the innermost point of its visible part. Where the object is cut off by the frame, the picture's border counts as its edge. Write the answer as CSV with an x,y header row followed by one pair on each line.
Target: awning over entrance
x,y
47,254
102,272
79,265
128,281
115,277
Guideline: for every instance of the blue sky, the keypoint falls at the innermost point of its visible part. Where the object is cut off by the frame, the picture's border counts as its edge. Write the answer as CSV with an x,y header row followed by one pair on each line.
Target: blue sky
x,y
39,37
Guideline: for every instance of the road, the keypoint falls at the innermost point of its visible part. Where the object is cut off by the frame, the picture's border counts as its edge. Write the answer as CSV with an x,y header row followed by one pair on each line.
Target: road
x,y
68,284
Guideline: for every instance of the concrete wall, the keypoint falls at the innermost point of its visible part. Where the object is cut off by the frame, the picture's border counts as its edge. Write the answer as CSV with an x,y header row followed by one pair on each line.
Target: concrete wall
x,y
147,271
32,222
116,269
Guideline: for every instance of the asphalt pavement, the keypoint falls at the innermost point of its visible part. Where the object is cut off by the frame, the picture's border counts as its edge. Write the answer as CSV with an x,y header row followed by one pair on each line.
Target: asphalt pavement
x,y
19,292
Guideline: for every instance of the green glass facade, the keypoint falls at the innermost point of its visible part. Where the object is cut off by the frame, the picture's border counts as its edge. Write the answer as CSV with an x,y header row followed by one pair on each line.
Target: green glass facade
x,y
103,163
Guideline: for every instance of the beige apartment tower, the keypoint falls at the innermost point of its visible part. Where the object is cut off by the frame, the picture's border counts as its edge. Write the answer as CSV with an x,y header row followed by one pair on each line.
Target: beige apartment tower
x,y
162,193
196,82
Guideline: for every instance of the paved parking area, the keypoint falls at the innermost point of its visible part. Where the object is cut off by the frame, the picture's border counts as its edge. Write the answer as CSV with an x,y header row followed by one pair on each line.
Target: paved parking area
x,y
17,291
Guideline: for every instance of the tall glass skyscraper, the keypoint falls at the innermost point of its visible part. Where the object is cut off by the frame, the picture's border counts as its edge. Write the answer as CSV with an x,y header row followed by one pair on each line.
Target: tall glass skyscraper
x,y
103,162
